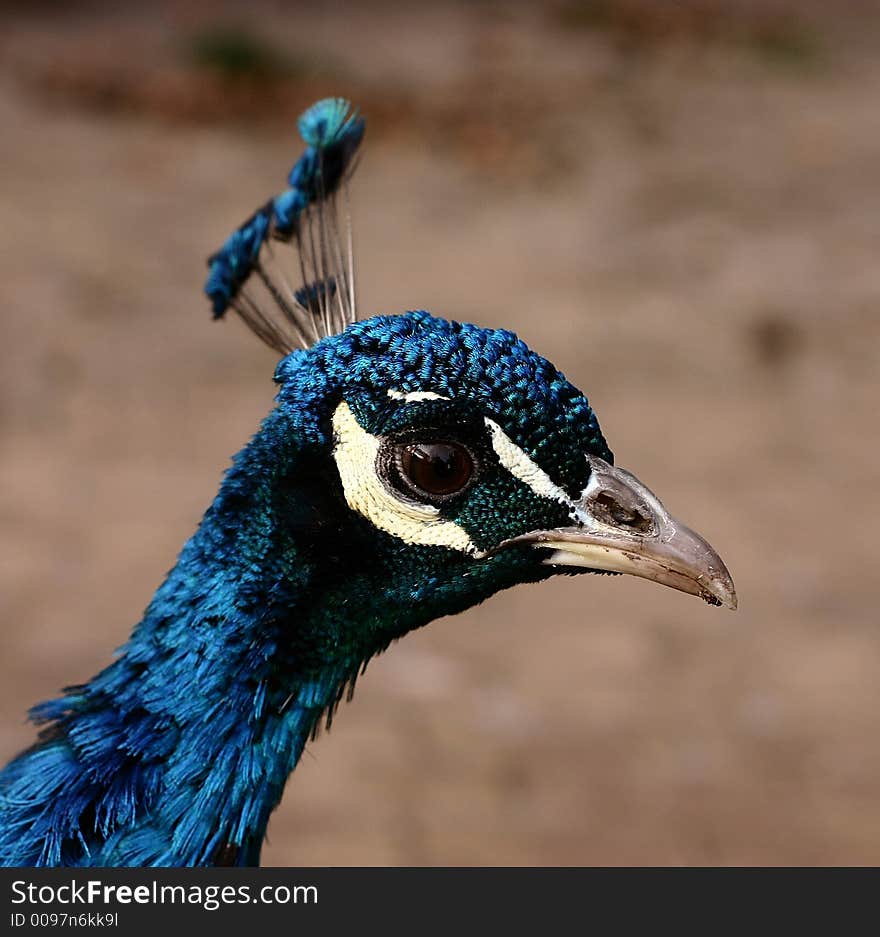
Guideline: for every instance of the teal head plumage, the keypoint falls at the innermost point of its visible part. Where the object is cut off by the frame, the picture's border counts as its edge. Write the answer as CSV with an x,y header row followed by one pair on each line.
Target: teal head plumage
x,y
411,468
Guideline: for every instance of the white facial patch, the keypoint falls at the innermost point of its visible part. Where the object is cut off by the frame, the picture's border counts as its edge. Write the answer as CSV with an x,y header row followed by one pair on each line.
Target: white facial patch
x,y
522,467
355,451
415,395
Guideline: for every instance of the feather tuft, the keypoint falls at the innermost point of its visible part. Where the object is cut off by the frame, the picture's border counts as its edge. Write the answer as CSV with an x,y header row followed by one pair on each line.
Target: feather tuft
x,y
327,122
245,273
313,295
234,262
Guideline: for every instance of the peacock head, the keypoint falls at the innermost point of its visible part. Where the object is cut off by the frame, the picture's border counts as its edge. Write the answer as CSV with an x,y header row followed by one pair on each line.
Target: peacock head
x,y
475,465
454,461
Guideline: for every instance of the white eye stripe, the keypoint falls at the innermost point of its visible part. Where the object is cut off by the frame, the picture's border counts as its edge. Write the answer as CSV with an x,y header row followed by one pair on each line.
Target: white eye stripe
x,y
415,395
355,452
522,467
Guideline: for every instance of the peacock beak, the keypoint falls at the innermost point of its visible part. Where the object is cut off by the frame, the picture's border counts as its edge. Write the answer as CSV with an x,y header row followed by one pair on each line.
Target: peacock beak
x,y
622,527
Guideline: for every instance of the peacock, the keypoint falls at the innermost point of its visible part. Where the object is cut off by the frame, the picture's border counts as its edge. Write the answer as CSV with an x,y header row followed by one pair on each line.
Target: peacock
x,y
410,468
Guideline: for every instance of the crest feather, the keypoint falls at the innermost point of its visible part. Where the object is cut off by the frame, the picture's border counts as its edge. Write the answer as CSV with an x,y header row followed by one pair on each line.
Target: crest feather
x,y
248,272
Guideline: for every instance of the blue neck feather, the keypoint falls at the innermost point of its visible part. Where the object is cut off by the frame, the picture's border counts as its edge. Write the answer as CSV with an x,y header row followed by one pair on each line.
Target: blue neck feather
x,y
183,745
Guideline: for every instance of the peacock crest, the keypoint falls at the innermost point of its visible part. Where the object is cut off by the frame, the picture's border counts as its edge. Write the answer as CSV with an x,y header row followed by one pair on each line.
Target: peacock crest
x,y
249,272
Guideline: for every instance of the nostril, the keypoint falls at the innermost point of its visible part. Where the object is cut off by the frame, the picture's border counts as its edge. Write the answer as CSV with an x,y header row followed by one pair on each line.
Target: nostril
x,y
611,511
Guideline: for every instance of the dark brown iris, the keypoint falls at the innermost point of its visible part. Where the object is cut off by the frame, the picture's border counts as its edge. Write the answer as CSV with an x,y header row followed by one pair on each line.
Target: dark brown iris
x,y
435,468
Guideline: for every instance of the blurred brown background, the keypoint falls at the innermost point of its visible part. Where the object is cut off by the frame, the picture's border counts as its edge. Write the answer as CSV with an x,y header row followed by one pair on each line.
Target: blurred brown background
x,y
678,204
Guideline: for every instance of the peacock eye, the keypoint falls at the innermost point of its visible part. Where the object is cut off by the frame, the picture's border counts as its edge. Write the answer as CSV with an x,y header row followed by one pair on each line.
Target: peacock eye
x,y
438,469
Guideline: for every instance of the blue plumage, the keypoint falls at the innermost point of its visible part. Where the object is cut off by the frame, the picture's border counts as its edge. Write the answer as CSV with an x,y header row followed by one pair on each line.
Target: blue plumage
x,y
411,467
231,266
333,132
329,122
286,209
